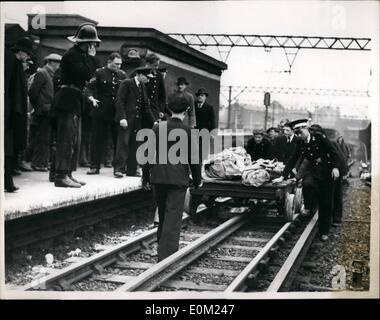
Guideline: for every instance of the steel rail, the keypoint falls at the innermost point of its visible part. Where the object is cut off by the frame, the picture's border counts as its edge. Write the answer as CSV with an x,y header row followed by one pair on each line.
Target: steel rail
x,y
239,283
165,269
288,271
82,269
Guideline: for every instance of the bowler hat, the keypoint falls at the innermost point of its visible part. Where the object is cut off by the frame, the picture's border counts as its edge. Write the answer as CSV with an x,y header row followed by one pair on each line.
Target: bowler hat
x,y
53,57
202,91
300,123
145,71
182,80
24,44
178,104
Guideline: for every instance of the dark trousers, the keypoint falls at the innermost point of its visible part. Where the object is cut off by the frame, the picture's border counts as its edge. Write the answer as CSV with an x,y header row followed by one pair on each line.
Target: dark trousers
x,y
84,155
126,148
8,169
324,199
337,208
170,202
68,142
309,191
99,138
41,141
53,146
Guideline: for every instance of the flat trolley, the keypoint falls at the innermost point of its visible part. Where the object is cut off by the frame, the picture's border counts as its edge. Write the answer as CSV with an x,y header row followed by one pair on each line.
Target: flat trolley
x,y
286,195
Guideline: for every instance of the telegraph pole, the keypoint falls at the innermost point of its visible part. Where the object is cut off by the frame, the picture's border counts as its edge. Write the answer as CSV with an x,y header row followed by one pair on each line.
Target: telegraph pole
x,y
229,106
267,104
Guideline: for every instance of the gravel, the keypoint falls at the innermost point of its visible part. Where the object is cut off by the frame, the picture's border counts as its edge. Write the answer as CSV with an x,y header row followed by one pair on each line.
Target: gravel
x,y
348,242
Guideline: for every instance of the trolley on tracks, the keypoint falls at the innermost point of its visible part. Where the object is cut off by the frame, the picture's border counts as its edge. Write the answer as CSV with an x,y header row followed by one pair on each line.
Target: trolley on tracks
x,y
286,195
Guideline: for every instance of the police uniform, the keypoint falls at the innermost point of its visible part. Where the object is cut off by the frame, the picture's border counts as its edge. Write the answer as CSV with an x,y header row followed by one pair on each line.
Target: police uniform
x,y
77,67
103,87
157,95
322,158
132,104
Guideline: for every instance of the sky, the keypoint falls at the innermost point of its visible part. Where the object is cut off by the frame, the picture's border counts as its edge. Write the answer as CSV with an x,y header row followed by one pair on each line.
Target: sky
x,y
253,66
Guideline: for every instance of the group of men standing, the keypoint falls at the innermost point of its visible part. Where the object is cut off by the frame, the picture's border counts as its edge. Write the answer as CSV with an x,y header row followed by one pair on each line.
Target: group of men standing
x,y
317,163
58,93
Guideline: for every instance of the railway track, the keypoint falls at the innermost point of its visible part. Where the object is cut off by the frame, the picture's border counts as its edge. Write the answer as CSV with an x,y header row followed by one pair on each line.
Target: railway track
x,y
230,258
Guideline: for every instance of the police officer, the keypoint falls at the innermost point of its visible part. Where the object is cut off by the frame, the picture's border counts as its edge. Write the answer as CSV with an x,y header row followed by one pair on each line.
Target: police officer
x,y
258,147
132,114
77,68
102,91
156,89
323,160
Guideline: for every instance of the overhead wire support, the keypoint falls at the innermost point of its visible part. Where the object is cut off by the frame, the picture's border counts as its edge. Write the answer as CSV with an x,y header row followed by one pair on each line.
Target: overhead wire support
x,y
272,41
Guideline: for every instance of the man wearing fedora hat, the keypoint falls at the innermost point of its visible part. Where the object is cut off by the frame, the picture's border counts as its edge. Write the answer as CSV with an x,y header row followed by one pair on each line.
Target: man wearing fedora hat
x,y
204,112
170,181
15,106
41,94
132,114
77,68
181,92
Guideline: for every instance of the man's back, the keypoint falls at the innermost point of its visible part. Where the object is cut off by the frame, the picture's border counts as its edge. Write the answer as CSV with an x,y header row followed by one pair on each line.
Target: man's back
x,y
167,171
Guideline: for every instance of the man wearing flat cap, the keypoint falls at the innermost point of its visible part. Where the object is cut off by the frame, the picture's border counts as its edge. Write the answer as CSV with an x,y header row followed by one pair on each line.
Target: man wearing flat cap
x,y
171,180
133,113
181,92
41,95
323,160
15,107
77,68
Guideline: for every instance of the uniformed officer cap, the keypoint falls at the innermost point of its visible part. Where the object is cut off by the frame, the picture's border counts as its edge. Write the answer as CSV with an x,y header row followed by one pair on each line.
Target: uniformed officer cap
x,y
300,123
53,57
145,71
178,104
258,132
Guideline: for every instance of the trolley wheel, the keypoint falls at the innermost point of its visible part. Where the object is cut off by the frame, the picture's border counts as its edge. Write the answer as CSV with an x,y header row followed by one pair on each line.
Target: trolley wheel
x,y
298,200
289,207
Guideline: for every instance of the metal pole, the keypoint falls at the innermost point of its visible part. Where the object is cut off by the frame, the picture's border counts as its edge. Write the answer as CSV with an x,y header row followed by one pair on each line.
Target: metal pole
x,y
229,106
273,115
266,117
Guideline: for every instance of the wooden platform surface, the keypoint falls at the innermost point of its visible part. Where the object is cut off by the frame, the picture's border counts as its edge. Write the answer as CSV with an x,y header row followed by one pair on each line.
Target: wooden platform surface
x,y
37,194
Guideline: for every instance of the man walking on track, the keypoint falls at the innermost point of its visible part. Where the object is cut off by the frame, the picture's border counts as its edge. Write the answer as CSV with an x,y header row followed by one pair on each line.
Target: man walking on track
x,y
171,180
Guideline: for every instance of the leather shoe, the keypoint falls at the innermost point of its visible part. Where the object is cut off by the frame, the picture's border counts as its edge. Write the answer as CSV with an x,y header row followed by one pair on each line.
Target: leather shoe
x,y
12,189
41,169
108,165
66,183
82,183
23,166
117,174
93,171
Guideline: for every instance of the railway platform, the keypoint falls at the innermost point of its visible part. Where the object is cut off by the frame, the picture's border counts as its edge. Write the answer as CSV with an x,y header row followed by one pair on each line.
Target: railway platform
x,y
37,195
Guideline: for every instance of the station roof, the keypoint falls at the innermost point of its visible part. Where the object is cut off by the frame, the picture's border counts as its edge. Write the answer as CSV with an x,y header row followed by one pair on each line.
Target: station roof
x,y
150,38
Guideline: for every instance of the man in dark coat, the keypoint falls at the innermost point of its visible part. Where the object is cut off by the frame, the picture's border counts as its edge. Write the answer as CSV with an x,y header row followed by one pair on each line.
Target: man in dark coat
x,y
102,91
285,144
324,162
132,114
15,106
77,68
258,147
156,89
41,94
204,112
171,180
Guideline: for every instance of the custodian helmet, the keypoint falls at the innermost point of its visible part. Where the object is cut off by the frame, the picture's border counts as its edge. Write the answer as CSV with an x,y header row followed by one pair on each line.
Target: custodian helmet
x,y
86,32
